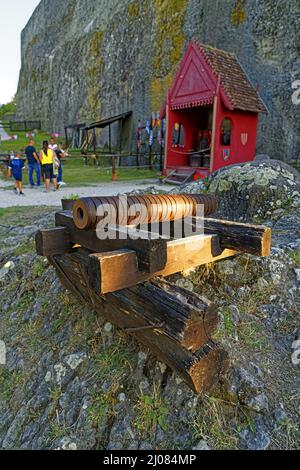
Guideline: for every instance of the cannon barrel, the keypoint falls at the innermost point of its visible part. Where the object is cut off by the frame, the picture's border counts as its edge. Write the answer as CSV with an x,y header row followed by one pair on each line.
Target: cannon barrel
x,y
142,209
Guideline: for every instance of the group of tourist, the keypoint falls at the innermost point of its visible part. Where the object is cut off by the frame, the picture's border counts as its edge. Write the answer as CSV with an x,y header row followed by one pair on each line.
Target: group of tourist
x,y
46,165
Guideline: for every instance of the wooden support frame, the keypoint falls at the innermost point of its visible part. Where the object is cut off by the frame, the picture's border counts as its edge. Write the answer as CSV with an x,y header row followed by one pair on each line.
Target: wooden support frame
x,y
120,263
151,254
120,278
111,271
200,369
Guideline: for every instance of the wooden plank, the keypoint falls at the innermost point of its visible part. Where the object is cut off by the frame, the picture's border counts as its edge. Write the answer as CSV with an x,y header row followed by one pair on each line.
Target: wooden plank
x,y
246,238
116,270
201,369
151,254
55,241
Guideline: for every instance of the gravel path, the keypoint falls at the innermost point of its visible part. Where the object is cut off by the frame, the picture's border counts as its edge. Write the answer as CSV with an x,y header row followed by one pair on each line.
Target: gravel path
x,y
3,134
37,196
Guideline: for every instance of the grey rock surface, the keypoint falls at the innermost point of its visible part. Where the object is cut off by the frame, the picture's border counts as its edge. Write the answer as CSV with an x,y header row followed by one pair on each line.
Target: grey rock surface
x,y
98,58
73,381
256,191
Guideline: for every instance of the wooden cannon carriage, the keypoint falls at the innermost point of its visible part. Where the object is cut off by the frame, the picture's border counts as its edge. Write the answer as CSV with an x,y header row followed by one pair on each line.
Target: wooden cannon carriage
x,y
123,276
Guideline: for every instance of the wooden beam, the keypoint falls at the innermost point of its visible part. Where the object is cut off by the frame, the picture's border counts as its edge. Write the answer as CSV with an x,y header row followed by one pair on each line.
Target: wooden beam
x,y
111,271
54,241
200,369
246,238
151,254
184,316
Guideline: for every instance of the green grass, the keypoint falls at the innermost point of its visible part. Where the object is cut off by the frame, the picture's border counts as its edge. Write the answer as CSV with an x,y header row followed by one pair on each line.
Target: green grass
x,y
295,256
112,362
21,216
57,430
101,406
228,322
19,145
26,301
253,336
151,413
75,173
9,381
213,424
24,248
38,267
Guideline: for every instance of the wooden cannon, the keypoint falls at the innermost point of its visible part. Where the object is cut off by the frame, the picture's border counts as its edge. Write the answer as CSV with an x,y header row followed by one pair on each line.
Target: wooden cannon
x,y
122,275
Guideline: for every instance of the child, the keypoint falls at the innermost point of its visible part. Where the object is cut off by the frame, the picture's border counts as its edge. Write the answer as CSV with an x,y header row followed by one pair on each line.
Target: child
x,y
15,167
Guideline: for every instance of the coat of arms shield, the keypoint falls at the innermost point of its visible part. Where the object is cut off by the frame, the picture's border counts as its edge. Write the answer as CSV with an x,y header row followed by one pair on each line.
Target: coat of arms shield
x,y
244,137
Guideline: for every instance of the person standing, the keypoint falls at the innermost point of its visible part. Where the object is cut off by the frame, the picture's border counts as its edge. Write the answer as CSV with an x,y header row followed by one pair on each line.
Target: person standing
x,y
47,156
60,153
33,164
53,144
15,168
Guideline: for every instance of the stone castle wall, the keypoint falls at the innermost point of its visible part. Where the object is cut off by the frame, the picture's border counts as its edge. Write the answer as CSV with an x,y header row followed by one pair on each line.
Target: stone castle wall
x,y
89,59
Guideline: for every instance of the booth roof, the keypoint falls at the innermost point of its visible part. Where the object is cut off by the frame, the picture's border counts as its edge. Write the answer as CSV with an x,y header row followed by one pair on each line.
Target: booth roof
x,y
234,81
107,121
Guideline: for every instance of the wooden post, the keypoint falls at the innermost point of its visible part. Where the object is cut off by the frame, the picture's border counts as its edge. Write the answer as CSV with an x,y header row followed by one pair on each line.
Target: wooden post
x,y
109,138
120,136
166,133
94,140
66,136
161,150
214,124
137,156
150,157
113,168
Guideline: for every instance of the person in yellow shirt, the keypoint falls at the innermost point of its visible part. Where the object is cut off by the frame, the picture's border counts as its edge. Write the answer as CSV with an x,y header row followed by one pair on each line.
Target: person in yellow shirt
x,y
47,157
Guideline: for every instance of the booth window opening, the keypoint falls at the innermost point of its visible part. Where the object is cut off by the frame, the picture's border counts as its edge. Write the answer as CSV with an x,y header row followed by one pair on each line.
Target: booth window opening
x,y
178,135
225,132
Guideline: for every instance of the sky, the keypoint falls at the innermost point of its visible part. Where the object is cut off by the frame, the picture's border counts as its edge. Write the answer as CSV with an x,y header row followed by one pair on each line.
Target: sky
x,y
14,15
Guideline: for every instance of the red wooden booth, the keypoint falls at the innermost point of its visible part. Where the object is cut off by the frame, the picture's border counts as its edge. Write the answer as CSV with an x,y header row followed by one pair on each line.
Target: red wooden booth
x,y
211,114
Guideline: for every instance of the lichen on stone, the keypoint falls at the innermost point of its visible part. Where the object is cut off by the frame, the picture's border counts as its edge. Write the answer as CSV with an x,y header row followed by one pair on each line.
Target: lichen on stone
x,y
169,21
238,13
93,74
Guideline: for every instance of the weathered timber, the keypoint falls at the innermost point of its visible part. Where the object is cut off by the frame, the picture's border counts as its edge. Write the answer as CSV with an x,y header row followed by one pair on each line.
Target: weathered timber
x,y
183,316
200,369
151,253
54,241
116,270
246,238
241,237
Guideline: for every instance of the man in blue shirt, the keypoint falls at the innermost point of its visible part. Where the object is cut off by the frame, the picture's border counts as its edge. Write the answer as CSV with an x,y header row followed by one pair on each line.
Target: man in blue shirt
x,y
33,164
15,169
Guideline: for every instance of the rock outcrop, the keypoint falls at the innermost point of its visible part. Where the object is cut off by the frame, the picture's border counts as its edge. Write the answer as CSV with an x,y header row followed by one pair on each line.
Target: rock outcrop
x,y
256,191
86,60
72,381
